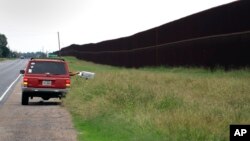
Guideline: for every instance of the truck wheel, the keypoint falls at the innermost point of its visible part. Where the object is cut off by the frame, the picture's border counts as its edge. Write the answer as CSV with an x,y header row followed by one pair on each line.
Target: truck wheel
x,y
25,98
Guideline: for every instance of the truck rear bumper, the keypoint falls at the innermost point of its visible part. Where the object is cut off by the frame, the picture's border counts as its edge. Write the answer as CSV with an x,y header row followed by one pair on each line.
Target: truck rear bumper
x,y
45,93
49,90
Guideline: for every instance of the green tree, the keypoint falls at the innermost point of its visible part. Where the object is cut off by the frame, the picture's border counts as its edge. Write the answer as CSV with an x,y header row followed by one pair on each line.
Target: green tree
x,y
4,50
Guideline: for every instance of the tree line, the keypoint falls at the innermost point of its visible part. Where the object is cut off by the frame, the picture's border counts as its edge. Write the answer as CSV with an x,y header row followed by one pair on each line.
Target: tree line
x,y
4,50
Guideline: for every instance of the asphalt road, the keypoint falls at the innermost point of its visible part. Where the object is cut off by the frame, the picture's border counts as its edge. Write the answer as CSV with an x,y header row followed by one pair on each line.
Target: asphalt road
x,y
9,72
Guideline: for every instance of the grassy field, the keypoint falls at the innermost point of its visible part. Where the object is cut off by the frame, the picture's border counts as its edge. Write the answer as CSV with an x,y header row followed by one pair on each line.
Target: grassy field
x,y
2,59
157,104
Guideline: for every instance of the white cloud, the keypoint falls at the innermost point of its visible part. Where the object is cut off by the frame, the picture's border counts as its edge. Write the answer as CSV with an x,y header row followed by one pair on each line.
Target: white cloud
x,y
31,25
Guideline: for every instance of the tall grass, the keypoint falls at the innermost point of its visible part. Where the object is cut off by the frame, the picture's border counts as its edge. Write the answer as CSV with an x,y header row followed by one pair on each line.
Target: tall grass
x,y
161,104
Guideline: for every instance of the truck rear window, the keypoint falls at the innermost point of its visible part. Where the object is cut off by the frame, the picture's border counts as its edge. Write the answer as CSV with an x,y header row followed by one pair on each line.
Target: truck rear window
x,y
57,68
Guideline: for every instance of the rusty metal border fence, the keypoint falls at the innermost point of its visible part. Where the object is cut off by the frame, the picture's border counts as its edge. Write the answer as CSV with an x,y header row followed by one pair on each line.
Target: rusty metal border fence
x,y
226,50
216,37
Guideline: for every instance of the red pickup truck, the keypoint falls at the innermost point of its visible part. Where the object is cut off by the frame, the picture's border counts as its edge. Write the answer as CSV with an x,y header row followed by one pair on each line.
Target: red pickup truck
x,y
45,78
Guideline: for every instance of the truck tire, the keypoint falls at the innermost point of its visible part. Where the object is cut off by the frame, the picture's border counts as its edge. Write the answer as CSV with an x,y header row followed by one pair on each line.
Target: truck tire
x,y
25,98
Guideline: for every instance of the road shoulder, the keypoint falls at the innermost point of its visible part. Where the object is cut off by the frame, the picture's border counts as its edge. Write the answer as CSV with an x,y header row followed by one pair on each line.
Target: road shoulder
x,y
37,121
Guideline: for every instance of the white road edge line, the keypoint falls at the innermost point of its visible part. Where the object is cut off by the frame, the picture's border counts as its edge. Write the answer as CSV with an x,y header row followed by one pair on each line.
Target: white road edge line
x,y
1,98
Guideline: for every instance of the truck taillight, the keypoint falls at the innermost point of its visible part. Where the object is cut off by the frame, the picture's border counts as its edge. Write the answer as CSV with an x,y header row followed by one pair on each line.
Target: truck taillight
x,y
68,83
25,82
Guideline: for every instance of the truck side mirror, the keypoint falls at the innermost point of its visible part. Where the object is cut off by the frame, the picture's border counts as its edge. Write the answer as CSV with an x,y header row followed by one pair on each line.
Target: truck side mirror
x,y
22,71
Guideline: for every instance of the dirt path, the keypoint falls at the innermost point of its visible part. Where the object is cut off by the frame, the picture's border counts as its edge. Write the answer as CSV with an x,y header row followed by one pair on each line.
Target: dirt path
x,y
39,121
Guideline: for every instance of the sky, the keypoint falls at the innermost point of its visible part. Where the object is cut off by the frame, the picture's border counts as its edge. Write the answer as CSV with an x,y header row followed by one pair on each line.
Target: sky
x,y
32,25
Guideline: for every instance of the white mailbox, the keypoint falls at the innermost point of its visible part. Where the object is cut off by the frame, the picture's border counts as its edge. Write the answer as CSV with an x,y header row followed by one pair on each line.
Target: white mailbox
x,y
86,74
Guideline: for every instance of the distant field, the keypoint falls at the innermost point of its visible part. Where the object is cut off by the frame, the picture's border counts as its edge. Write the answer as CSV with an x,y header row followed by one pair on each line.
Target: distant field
x,y
157,104
2,59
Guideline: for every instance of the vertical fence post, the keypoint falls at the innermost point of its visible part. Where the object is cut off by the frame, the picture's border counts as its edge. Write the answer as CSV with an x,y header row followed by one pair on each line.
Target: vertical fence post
x,y
59,53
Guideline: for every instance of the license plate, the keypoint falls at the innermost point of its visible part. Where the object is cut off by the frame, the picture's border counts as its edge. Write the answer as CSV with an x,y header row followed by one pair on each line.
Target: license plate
x,y
46,83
